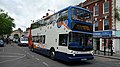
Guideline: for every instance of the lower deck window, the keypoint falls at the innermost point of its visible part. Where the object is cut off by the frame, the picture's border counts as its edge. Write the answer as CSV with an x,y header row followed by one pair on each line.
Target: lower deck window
x,y
63,39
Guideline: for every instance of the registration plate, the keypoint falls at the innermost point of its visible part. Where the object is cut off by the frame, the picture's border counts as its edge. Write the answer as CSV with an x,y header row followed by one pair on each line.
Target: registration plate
x,y
83,59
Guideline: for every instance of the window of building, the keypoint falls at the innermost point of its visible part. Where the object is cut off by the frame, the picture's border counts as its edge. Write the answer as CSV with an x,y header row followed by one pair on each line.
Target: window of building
x,y
96,10
106,7
63,39
96,25
106,24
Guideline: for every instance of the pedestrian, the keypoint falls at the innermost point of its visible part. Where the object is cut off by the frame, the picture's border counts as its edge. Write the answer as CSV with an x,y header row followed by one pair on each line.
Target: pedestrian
x,y
7,40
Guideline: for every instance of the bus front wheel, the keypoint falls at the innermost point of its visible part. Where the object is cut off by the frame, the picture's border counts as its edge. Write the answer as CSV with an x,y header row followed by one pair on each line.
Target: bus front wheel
x,y
52,54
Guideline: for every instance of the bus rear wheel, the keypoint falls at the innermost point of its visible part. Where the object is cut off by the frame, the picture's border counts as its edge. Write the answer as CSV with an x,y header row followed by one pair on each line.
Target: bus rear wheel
x,y
52,54
32,49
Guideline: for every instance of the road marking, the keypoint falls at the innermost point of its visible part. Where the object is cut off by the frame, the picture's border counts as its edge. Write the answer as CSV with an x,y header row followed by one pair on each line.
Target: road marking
x,y
110,59
28,53
37,59
3,49
9,56
19,47
32,55
25,51
13,59
118,63
13,53
45,63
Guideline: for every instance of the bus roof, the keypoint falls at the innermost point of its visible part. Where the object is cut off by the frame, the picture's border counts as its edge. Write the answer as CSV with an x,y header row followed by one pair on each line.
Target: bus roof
x,y
72,7
66,9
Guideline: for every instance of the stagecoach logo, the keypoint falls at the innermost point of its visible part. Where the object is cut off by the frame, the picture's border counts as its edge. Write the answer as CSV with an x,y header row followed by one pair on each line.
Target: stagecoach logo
x,y
59,24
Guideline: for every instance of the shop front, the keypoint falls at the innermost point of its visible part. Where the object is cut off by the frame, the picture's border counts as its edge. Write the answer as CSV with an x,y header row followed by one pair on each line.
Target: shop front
x,y
117,41
103,41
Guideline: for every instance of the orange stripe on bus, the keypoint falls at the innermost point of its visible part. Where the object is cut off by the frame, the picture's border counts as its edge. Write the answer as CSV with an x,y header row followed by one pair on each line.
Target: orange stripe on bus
x,y
65,25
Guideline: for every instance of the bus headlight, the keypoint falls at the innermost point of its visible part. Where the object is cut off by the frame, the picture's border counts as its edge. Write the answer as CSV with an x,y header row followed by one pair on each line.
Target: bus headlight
x,y
92,52
73,54
71,51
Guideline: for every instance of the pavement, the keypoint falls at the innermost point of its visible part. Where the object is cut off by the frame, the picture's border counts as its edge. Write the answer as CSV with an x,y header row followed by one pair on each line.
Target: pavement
x,y
108,55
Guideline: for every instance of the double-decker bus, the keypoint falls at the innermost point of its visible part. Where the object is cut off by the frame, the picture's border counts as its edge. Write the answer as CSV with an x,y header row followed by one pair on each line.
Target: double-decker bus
x,y
65,35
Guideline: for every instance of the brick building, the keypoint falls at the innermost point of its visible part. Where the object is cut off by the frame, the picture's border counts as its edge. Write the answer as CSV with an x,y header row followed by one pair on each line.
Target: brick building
x,y
106,24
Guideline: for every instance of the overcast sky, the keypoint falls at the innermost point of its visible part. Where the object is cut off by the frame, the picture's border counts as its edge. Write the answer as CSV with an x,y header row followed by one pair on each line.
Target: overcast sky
x,y
23,11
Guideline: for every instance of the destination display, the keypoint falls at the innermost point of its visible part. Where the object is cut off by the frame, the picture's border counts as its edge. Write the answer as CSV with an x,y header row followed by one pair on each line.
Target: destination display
x,y
82,27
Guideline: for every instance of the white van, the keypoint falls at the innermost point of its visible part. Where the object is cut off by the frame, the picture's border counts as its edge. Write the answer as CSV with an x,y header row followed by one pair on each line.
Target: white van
x,y
23,41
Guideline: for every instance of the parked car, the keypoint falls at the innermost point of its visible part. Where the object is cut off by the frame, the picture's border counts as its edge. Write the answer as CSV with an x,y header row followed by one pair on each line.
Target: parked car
x,y
1,43
23,41
15,40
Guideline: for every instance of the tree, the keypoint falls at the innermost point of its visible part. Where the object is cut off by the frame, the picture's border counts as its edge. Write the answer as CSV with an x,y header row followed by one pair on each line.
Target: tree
x,y
117,14
6,23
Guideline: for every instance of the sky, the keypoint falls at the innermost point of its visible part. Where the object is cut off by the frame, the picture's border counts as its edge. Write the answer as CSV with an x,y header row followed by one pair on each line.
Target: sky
x,y
23,11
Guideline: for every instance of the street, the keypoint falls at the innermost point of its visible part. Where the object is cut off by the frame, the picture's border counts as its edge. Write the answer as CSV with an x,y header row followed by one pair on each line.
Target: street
x,y
13,55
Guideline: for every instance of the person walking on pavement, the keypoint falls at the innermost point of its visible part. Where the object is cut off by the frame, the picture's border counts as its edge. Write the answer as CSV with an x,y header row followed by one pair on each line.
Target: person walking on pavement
x,y
7,40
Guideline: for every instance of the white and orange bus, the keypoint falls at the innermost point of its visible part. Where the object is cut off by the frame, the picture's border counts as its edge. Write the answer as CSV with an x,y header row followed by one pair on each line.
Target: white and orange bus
x,y
65,35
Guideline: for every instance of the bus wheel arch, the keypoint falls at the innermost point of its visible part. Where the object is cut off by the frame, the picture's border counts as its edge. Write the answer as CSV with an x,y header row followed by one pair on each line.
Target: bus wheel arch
x,y
52,53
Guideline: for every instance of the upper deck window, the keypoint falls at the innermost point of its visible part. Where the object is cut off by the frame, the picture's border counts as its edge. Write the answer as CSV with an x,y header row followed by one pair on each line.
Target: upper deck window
x,y
63,16
80,14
